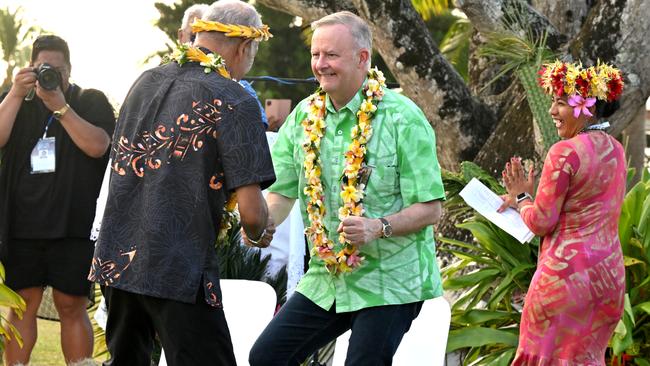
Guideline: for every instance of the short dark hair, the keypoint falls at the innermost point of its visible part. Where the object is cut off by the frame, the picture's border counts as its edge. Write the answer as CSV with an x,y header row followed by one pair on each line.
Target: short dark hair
x,y
50,42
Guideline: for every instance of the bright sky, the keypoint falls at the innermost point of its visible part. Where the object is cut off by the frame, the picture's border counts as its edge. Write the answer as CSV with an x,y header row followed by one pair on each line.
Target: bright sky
x,y
109,39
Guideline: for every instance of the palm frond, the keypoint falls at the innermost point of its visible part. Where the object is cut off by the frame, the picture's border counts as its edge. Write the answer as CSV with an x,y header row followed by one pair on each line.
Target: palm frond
x,y
516,45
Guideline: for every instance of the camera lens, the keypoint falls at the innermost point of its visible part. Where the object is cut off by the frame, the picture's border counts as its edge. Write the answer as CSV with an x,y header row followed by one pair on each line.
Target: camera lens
x,y
48,77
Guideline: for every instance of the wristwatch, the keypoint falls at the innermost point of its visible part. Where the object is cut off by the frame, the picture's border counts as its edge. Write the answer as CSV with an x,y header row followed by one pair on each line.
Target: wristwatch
x,y
386,230
59,114
522,196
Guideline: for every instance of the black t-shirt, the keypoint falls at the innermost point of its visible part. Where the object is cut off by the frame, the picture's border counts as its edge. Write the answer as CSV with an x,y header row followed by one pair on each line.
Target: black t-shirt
x,y
184,140
59,204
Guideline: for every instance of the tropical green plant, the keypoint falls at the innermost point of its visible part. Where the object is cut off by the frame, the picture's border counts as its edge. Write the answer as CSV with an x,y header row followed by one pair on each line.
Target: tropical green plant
x,y
488,273
493,269
15,40
631,340
12,301
237,261
521,51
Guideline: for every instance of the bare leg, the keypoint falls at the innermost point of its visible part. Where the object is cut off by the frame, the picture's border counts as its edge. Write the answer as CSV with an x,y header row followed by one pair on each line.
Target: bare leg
x,y
76,330
14,354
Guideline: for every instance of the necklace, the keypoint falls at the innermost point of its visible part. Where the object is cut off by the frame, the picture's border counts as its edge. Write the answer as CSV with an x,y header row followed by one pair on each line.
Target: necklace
x,y
597,127
342,257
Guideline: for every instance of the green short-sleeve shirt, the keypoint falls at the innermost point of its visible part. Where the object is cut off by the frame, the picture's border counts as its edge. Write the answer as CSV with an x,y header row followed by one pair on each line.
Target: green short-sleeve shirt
x,y
405,170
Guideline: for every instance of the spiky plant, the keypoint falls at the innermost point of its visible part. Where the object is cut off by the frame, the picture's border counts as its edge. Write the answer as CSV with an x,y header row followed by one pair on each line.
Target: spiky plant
x,y
521,52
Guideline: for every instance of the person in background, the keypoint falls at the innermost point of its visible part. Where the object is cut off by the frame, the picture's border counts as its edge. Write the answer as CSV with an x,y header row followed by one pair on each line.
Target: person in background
x,y
54,139
192,13
186,141
361,160
576,296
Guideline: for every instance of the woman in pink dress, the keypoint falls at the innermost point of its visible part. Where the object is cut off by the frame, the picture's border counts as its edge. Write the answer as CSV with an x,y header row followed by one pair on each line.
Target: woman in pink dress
x,y
575,298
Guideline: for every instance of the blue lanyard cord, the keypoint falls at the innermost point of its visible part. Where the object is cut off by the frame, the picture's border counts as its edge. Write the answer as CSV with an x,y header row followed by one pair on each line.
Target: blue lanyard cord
x,y
49,122
293,81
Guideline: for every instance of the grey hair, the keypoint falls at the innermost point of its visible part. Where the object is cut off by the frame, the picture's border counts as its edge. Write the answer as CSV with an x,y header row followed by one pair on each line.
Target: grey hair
x,y
357,26
194,11
233,12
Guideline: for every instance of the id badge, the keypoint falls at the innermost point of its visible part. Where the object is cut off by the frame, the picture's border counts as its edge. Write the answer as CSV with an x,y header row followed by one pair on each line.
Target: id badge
x,y
43,156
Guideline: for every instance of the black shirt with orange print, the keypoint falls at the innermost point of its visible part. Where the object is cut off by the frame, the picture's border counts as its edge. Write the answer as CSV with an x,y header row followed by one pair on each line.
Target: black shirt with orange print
x,y
183,142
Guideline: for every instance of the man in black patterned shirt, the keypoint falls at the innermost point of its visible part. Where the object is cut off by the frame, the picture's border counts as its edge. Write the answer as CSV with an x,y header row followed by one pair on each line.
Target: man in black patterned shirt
x,y
187,138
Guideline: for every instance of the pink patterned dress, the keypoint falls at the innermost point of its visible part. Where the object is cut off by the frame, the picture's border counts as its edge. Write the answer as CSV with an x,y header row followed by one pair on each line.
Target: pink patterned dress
x,y
576,296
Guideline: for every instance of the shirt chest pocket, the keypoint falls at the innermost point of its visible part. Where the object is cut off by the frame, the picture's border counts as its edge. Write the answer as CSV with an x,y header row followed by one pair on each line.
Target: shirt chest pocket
x,y
382,191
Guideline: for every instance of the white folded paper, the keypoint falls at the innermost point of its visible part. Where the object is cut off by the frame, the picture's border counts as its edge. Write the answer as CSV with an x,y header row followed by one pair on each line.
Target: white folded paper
x,y
486,202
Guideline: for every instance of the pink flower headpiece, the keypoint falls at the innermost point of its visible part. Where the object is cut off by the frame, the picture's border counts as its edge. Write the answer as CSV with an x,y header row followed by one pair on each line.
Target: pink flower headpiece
x,y
583,85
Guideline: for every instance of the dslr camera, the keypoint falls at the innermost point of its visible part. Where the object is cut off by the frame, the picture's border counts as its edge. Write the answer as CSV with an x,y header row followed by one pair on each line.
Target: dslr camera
x,y
48,77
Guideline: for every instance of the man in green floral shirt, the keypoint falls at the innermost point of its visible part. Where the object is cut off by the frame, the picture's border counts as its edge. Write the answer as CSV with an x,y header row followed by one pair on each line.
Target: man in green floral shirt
x,y
361,160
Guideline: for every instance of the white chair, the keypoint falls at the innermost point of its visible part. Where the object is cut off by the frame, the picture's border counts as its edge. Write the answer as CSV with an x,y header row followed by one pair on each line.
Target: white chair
x,y
249,306
423,345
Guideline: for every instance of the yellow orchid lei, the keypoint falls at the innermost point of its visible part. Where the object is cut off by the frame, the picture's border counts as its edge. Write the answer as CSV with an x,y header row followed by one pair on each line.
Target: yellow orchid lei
x,y
344,257
212,62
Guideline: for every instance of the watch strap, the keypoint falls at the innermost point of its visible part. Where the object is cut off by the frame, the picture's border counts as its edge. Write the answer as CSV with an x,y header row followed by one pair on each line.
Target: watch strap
x,y
386,230
59,114
522,196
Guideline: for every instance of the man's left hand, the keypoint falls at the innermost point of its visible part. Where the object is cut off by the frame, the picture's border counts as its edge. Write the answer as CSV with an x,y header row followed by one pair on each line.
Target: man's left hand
x,y
360,230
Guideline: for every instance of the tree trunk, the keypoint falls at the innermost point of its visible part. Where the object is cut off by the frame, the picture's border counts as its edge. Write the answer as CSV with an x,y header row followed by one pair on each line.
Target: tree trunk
x,y
567,16
489,16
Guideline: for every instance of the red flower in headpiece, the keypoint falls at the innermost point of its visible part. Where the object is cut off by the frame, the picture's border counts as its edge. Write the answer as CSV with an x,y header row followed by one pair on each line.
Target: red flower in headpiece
x,y
615,86
557,80
583,84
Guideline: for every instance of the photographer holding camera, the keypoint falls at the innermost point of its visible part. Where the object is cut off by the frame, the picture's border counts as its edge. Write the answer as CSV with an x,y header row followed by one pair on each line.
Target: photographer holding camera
x,y
54,139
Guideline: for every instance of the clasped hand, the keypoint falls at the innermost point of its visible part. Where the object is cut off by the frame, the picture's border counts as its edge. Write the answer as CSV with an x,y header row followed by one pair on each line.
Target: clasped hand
x,y
266,238
360,230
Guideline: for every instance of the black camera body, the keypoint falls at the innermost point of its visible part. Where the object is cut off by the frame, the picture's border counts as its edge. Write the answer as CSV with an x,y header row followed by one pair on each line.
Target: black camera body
x,y
48,77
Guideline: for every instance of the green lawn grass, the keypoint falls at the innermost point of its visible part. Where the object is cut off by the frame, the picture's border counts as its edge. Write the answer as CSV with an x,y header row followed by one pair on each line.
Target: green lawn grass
x,y
47,351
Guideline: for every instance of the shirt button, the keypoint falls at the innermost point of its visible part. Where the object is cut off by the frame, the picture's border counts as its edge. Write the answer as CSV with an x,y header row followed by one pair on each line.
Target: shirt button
x,y
339,132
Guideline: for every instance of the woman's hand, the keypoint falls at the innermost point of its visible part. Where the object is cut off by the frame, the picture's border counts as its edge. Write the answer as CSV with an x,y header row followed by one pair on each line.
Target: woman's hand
x,y
516,182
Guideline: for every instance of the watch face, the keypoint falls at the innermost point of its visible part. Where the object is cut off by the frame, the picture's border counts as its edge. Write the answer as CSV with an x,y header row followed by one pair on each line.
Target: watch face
x,y
388,230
